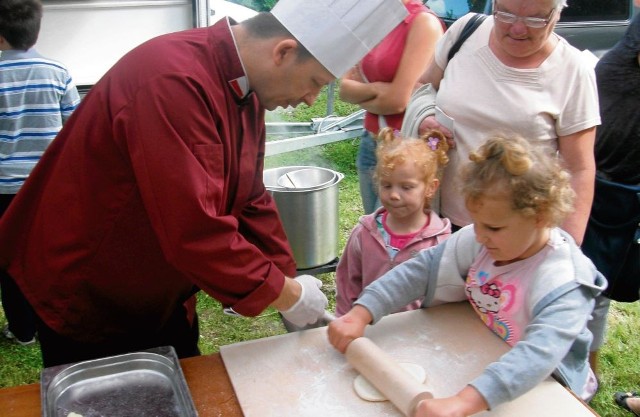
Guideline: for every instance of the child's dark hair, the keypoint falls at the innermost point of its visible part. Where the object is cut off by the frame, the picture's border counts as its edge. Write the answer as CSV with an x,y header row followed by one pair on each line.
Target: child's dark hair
x,y
533,178
429,153
20,22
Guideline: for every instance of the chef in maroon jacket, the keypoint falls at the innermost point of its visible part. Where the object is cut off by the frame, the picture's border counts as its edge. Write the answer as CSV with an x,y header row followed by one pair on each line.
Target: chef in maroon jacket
x,y
153,189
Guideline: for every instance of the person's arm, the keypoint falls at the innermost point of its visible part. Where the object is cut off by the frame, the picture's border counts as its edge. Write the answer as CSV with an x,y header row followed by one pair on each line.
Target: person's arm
x,y
466,402
349,273
349,327
436,273
300,300
577,152
433,75
178,159
546,341
354,89
69,101
393,97
259,223
289,295
404,283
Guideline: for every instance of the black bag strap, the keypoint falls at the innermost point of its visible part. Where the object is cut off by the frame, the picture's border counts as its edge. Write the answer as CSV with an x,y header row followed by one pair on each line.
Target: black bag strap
x,y
468,29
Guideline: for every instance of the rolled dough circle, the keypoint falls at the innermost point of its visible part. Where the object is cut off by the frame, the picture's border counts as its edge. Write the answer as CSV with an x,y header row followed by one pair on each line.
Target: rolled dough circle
x,y
368,392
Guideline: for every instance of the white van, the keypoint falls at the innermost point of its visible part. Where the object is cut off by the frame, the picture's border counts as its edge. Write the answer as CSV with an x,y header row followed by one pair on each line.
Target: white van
x,y
89,36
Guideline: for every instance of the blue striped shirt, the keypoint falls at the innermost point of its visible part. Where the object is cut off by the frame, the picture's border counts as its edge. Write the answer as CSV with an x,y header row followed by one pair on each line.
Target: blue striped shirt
x,y
37,95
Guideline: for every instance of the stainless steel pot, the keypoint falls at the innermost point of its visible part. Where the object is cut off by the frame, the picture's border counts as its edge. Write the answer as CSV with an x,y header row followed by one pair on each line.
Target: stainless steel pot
x,y
309,211
307,178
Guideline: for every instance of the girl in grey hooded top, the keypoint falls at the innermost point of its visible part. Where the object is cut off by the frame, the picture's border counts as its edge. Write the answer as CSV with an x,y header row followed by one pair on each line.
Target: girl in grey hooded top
x,y
526,279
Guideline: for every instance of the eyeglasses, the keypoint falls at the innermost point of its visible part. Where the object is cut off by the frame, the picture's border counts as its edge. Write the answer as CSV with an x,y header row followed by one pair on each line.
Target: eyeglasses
x,y
532,22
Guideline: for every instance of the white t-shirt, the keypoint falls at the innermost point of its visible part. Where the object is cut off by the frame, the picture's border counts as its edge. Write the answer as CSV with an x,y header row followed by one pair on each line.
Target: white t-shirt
x,y
484,96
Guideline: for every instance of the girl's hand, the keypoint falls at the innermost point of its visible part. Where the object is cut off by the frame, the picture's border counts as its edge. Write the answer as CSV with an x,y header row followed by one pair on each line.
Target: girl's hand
x,y
351,326
465,403
439,407
430,123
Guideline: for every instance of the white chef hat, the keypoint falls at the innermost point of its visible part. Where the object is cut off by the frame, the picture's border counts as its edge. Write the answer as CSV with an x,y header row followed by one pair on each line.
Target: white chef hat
x,y
339,33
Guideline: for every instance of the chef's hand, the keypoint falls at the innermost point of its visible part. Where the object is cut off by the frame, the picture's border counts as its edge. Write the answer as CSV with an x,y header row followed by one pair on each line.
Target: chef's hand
x,y
430,123
465,403
311,304
345,329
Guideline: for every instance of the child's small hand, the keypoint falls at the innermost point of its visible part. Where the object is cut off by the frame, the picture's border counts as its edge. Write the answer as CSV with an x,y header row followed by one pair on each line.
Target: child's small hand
x,y
465,403
348,327
439,407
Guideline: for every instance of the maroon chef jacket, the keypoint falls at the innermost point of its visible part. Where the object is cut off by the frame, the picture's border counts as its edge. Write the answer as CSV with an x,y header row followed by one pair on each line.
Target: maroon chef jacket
x,y
152,187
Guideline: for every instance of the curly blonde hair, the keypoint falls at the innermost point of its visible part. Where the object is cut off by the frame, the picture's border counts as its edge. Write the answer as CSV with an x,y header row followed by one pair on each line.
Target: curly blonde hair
x,y
535,180
428,153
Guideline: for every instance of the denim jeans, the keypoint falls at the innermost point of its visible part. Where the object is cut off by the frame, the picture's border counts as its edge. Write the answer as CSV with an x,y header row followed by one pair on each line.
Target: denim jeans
x,y
366,164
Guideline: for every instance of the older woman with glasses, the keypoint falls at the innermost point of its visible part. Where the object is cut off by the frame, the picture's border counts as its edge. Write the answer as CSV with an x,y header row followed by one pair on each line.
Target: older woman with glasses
x,y
515,74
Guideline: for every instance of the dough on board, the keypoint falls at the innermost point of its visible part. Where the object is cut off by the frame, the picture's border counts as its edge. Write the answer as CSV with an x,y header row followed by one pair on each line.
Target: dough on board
x,y
368,392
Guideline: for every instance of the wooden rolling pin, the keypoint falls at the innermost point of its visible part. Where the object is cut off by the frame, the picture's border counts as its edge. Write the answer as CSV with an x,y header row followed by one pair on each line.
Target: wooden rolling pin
x,y
384,373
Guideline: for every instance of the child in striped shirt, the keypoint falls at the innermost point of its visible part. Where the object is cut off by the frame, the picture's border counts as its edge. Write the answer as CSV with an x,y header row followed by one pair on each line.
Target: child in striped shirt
x,y
37,95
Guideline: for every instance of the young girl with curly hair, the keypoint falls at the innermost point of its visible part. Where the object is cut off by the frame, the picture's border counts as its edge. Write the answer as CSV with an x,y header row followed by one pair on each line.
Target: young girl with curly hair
x,y
407,176
526,278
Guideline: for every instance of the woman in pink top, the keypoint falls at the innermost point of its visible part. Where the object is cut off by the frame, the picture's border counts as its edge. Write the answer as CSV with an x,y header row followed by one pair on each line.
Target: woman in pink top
x,y
383,81
407,177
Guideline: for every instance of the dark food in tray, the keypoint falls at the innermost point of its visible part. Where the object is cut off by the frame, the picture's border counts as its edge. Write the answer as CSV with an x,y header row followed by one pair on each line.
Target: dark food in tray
x,y
148,383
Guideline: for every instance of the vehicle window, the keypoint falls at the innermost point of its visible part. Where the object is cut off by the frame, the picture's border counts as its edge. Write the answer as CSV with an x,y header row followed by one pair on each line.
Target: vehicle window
x,y
453,9
596,10
578,10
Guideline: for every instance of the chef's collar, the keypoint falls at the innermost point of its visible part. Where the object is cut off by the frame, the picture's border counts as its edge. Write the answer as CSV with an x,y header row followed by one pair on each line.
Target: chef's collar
x,y
240,85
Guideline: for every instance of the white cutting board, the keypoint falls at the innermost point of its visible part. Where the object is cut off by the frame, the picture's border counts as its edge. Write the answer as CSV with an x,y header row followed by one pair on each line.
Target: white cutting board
x,y
301,375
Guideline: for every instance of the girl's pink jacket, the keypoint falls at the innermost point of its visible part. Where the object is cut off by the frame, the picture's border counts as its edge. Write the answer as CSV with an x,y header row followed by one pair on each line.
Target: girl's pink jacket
x,y
365,257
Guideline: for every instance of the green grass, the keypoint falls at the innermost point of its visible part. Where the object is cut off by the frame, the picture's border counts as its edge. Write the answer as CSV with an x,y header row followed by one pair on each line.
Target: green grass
x,y
619,366
619,369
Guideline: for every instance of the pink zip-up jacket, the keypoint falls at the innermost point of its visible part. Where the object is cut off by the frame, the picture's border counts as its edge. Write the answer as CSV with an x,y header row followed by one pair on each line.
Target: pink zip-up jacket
x,y
365,257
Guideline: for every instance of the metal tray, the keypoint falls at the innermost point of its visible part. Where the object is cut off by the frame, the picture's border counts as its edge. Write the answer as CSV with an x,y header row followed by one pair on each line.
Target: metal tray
x,y
145,384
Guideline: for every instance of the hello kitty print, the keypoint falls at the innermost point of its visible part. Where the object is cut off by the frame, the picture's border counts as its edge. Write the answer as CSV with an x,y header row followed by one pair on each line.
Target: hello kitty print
x,y
498,295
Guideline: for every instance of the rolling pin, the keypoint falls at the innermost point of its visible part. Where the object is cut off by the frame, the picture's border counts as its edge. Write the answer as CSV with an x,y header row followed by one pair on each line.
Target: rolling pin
x,y
384,373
